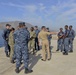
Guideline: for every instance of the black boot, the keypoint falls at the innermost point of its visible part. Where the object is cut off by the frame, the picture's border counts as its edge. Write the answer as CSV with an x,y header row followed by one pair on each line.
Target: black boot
x,y
17,70
28,71
12,61
49,59
71,51
57,50
65,53
7,55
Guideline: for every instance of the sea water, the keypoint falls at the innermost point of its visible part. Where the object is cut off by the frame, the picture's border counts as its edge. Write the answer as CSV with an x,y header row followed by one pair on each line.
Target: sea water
x,y
1,39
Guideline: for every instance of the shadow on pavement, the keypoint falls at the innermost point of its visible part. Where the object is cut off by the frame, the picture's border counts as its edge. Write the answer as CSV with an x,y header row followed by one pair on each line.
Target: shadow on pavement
x,y
32,61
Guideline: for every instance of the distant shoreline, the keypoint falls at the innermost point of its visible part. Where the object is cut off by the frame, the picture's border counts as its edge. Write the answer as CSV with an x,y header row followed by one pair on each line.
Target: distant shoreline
x,y
1,39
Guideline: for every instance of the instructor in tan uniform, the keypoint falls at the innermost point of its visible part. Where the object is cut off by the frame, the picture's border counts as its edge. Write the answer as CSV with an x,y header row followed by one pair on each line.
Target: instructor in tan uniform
x,y
45,43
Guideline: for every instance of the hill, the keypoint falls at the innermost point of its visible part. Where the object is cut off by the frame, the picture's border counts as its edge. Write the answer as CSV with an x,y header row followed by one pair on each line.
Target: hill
x,y
13,24
16,23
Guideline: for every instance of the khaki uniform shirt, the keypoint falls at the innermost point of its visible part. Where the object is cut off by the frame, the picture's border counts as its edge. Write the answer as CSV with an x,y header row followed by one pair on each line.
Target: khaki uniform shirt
x,y
32,34
11,39
43,35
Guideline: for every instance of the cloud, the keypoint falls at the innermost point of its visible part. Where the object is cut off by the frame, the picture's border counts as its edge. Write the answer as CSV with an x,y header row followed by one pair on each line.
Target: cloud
x,y
31,8
64,11
61,13
13,5
42,7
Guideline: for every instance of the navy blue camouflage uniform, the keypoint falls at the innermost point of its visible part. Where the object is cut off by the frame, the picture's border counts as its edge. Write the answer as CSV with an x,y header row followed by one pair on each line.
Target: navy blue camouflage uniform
x,y
21,37
66,41
5,37
49,38
60,41
71,38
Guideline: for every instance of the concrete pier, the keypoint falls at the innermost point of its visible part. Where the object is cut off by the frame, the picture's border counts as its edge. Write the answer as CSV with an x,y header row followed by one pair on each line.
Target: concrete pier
x,y
58,65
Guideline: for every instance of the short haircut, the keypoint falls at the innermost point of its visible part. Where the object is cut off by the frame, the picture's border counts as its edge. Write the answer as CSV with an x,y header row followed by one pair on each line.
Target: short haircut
x,y
71,26
23,24
66,25
32,28
12,29
61,28
20,25
42,27
47,28
8,25
36,26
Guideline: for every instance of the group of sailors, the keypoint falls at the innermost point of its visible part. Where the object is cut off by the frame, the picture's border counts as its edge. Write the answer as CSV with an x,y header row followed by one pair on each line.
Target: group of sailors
x,y
65,40
19,42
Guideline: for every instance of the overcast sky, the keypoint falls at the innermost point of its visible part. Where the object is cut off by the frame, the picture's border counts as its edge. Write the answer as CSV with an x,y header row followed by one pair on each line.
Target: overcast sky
x,y
51,13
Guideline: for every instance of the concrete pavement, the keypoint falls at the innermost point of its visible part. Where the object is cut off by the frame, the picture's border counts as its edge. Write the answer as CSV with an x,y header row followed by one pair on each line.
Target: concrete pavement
x,y
58,65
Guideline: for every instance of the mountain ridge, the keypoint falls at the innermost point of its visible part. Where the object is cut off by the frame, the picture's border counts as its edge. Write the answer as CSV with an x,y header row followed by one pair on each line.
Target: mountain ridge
x,y
14,24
